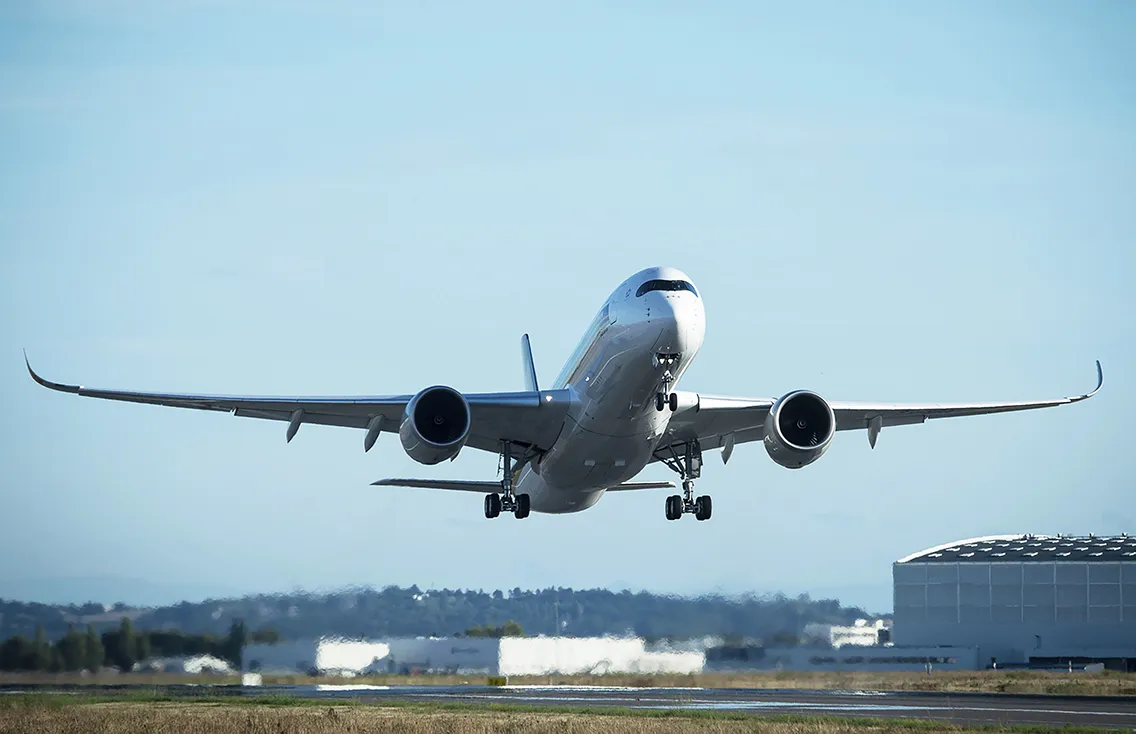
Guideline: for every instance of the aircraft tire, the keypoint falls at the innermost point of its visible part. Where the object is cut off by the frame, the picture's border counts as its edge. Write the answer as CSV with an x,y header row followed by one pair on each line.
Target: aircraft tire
x,y
492,506
702,508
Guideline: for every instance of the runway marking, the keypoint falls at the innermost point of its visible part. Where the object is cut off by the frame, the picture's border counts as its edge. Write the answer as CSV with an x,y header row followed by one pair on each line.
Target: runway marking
x,y
351,687
594,688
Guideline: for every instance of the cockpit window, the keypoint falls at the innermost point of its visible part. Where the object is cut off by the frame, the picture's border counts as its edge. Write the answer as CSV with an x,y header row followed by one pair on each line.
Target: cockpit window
x,y
665,285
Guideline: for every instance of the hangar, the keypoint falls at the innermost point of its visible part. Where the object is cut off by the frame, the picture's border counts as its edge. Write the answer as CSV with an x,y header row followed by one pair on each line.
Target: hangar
x,y
1022,600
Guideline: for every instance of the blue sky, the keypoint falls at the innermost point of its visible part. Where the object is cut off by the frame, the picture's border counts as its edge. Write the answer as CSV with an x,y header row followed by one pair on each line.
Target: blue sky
x,y
878,201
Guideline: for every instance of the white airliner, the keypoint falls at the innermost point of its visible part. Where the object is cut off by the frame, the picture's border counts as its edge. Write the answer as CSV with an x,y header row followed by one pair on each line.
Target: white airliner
x,y
612,411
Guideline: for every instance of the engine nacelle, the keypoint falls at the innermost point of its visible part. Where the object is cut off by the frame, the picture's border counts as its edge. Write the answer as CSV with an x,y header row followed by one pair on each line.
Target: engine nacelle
x,y
799,429
435,425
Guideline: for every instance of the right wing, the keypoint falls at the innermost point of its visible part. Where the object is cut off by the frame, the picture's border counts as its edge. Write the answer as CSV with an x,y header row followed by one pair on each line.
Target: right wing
x,y
529,419
722,422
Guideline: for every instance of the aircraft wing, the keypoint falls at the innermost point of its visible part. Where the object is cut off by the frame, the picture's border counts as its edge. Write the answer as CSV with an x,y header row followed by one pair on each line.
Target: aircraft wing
x,y
531,419
722,422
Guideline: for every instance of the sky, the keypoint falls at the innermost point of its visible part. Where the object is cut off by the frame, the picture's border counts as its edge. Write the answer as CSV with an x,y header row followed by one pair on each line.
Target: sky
x,y
877,201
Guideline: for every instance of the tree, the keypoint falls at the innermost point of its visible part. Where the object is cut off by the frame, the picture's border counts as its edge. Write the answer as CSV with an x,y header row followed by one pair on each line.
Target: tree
x,y
41,659
72,650
234,644
265,636
94,654
16,654
511,629
121,646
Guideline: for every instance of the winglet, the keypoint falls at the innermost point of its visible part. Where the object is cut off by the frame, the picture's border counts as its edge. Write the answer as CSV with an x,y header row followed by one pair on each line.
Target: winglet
x,y
528,365
1100,381
48,383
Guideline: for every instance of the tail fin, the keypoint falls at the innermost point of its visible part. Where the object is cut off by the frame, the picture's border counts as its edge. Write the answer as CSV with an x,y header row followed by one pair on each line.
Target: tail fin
x,y
528,366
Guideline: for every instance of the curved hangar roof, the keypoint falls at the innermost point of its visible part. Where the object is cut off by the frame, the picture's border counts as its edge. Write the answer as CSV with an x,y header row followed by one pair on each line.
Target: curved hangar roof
x,y
1031,549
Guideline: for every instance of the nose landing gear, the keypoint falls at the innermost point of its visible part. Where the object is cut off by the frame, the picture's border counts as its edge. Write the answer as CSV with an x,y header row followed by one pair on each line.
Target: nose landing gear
x,y
689,467
665,397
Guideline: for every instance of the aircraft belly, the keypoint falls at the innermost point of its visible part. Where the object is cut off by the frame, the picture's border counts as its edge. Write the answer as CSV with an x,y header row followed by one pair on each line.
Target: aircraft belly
x,y
585,461
611,428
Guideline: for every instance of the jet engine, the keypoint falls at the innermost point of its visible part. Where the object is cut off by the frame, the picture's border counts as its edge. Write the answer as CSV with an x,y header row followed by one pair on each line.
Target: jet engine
x,y
799,429
435,425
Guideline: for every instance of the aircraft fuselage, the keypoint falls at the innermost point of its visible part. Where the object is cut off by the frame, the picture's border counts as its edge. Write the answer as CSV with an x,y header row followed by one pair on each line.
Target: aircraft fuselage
x,y
615,374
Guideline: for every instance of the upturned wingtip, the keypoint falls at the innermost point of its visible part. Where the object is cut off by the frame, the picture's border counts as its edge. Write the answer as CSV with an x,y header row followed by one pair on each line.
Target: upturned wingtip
x,y
1095,390
48,383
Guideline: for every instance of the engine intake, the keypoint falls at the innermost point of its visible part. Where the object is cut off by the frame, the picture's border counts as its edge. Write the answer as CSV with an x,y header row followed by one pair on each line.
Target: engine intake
x,y
799,429
435,425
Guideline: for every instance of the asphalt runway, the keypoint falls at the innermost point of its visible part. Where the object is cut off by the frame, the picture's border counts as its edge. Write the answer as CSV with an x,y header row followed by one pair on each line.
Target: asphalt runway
x,y
967,709
958,708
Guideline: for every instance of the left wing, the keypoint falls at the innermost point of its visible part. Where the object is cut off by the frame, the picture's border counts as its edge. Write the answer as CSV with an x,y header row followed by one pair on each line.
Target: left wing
x,y
721,422
530,419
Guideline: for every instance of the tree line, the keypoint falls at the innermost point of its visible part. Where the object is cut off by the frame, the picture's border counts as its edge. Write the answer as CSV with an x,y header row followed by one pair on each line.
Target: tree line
x,y
122,647
371,613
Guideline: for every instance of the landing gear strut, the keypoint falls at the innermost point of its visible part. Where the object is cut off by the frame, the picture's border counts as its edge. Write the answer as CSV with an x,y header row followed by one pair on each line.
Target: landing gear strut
x,y
518,504
665,397
689,467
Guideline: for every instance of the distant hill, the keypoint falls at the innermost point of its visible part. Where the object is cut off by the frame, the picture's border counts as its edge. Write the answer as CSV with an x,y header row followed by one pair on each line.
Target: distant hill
x,y
395,611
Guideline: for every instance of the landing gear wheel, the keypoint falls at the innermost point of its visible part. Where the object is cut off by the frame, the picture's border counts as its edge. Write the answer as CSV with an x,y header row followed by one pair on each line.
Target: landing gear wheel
x,y
492,506
660,401
674,401
689,467
702,508
522,509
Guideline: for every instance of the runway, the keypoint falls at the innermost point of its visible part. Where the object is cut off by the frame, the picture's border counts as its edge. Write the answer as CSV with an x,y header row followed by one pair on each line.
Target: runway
x,y
957,708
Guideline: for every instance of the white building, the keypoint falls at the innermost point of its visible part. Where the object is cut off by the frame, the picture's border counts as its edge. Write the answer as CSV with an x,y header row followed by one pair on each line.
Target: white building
x,y
327,655
470,655
862,632
190,665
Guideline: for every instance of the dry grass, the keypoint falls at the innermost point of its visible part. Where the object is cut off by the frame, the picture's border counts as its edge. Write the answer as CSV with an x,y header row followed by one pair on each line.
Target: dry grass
x,y
179,718
1108,683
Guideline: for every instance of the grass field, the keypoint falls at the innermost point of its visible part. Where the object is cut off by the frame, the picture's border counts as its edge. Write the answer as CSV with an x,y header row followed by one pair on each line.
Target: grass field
x,y
1106,683
70,715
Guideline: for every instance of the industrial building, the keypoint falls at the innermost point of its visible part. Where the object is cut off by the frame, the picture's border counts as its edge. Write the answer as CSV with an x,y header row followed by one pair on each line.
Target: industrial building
x,y
469,655
997,601
1022,600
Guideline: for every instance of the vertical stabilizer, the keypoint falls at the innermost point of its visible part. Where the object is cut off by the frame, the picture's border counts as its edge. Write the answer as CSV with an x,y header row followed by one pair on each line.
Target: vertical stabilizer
x,y
527,365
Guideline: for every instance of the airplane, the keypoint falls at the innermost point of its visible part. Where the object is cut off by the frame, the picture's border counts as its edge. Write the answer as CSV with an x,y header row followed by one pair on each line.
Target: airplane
x,y
612,411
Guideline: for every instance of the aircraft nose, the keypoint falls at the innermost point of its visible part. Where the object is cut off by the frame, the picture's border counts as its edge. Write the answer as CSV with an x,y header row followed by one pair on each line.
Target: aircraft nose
x,y
668,312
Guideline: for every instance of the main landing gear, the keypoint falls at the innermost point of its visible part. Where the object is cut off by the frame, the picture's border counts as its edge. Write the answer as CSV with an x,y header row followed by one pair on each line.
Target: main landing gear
x,y
518,504
665,397
689,467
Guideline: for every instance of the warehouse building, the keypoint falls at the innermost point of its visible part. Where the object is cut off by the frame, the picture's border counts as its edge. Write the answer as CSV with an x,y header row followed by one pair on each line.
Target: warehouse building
x,y
469,655
1022,600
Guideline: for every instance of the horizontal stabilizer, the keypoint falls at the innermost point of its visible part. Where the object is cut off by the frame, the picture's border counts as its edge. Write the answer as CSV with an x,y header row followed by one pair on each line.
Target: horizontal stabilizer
x,y
641,485
466,485
458,485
